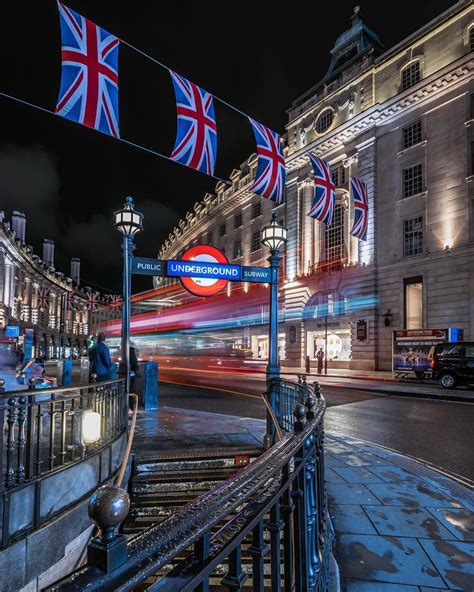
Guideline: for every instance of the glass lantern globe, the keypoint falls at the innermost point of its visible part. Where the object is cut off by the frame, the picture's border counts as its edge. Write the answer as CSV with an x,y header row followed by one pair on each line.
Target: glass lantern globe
x,y
128,220
274,235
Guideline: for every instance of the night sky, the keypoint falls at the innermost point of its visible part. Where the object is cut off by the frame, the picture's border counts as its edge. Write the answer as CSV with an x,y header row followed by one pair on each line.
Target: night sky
x,y
69,179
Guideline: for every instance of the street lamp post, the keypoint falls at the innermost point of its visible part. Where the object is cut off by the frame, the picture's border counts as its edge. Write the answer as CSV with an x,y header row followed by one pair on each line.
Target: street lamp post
x,y
274,236
127,221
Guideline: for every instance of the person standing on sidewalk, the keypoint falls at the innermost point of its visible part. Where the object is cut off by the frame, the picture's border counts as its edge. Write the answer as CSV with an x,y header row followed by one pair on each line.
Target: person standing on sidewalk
x,y
99,358
320,358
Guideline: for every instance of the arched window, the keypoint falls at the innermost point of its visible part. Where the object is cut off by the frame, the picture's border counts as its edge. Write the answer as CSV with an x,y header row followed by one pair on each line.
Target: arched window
x,y
411,75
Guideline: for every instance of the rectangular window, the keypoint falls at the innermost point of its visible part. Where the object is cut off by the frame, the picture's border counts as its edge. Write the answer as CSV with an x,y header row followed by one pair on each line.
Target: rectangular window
x,y
339,176
471,39
238,220
412,134
334,243
413,180
209,238
255,241
237,249
414,303
256,209
411,75
413,237
222,229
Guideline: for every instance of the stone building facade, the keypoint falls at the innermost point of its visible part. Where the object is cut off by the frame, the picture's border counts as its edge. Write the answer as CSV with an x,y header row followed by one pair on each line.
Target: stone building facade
x,y
42,311
402,121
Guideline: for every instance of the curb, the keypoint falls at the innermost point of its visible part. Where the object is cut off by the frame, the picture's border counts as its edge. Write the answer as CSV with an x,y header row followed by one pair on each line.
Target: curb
x,y
441,397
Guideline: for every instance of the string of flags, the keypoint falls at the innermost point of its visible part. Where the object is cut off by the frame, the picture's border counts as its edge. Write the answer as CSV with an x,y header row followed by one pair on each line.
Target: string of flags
x,y
89,95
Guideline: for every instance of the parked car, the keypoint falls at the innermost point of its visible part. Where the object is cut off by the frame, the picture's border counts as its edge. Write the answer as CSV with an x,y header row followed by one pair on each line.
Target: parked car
x,y
453,364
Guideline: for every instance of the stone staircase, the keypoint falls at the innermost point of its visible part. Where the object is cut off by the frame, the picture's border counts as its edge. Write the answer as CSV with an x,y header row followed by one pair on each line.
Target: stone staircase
x,y
162,485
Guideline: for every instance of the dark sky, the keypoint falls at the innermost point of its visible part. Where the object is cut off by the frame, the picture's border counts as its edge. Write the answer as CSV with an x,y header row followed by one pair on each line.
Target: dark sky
x,y
68,179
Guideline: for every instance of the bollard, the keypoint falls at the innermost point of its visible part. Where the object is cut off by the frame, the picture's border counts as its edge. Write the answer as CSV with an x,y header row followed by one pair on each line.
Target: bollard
x,y
307,365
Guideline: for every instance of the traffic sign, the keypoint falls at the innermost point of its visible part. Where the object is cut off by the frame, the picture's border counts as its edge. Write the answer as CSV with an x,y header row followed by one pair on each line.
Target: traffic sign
x,y
203,270
144,266
256,274
204,256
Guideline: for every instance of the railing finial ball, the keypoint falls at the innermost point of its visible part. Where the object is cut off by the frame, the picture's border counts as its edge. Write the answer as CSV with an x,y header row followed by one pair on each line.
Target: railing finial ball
x,y
299,411
108,507
93,378
310,403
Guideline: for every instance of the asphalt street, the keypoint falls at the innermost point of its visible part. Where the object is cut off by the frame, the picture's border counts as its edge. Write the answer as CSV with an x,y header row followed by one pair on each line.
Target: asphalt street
x,y
437,432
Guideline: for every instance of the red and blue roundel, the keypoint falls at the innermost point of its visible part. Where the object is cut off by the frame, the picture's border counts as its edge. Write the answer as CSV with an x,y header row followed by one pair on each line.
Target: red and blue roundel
x,y
203,286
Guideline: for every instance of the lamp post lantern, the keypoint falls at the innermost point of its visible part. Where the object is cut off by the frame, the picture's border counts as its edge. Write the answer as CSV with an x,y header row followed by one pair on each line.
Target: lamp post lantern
x,y
274,236
129,222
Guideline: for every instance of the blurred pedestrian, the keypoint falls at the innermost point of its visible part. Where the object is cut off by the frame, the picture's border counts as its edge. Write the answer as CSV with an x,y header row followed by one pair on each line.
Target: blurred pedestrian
x,y
99,358
133,365
320,358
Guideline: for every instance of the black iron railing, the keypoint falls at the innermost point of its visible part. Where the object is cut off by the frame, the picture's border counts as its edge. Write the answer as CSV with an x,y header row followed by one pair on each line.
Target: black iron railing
x,y
43,430
274,511
285,395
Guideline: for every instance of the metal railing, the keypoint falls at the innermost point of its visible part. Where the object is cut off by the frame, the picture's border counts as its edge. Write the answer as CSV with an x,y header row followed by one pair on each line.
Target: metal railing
x,y
274,511
286,394
41,429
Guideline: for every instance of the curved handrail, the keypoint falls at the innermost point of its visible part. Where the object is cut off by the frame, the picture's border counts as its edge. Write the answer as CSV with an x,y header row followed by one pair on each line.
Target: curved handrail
x,y
155,547
57,389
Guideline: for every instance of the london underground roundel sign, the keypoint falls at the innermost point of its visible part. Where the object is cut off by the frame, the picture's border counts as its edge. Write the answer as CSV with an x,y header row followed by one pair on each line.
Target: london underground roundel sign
x,y
203,286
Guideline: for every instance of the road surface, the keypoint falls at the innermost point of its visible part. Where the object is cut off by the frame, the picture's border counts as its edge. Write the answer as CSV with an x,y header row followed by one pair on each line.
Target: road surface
x,y
437,432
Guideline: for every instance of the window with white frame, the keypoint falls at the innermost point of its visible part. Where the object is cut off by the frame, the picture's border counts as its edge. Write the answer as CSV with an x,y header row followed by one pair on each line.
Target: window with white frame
x,y
237,249
413,236
411,75
255,241
413,180
238,220
256,209
339,175
412,134
324,121
334,243
413,302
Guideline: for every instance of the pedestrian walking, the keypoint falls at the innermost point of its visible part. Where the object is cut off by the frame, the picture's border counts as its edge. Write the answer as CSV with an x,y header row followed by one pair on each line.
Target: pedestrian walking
x,y
133,366
99,358
320,358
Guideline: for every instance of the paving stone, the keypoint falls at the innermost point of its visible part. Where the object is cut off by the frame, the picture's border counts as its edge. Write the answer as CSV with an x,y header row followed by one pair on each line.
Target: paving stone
x,y
357,475
406,522
412,494
332,461
350,518
454,489
330,476
454,560
394,474
360,460
394,560
344,493
458,522
367,586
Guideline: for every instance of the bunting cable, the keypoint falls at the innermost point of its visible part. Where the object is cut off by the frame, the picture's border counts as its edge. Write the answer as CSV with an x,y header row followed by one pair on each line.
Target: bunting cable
x,y
129,142
170,71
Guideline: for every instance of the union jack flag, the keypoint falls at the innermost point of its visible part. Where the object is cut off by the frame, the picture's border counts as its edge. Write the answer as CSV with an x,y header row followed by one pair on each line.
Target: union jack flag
x,y
92,301
42,298
69,297
196,138
115,299
89,75
324,191
269,181
361,208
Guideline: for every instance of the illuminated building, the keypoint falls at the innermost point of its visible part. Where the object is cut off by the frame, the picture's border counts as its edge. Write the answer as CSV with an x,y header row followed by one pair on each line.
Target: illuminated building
x,y
33,301
402,121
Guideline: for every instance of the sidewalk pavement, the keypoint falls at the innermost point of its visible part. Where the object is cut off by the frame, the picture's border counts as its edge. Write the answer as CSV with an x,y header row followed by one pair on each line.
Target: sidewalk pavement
x,y
400,526
386,384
